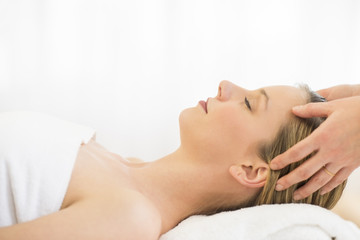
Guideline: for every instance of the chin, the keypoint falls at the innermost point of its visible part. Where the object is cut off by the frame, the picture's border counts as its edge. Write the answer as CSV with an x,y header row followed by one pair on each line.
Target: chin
x,y
188,117
185,119
194,133
189,123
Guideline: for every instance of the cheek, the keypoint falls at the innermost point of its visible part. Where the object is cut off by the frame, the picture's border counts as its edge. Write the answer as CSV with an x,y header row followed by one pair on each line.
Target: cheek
x,y
230,120
232,127
229,130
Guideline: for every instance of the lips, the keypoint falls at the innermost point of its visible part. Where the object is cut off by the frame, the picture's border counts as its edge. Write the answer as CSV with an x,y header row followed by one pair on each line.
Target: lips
x,y
203,105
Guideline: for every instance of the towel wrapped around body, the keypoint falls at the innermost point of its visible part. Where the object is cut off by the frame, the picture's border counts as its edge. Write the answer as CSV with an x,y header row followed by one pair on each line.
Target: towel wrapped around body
x,y
37,155
267,222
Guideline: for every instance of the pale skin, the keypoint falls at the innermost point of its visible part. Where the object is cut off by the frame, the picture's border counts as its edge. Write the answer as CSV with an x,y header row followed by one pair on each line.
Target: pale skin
x,y
111,198
337,142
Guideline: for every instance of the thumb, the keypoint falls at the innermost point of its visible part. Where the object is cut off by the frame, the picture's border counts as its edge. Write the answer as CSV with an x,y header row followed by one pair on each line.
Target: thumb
x,y
312,110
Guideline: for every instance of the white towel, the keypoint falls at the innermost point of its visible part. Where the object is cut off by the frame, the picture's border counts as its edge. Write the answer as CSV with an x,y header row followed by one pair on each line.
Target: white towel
x,y
267,222
37,155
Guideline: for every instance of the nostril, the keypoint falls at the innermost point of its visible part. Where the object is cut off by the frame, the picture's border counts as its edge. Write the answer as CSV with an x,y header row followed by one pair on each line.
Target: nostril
x,y
219,92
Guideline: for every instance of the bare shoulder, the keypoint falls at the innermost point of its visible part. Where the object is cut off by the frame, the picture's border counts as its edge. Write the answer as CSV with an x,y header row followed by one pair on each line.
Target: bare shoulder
x,y
137,212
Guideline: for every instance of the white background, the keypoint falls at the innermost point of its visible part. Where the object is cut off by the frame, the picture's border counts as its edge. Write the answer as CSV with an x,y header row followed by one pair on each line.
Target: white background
x,y
128,68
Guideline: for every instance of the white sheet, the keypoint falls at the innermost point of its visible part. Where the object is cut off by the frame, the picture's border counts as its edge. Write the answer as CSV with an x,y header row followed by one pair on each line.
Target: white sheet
x,y
267,222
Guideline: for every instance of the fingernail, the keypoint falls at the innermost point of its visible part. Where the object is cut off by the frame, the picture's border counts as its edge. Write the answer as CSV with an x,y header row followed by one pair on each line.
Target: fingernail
x,y
297,197
279,187
322,192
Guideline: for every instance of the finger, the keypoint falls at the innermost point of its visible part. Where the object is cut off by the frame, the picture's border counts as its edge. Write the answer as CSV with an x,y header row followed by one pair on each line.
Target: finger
x,y
295,153
315,183
313,110
324,92
339,178
318,180
301,173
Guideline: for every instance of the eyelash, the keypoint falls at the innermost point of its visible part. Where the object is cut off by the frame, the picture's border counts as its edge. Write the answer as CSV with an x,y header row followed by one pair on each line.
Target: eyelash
x,y
247,103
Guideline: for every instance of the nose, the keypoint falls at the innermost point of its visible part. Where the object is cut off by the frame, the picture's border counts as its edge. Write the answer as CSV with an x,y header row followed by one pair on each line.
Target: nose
x,y
227,90
224,90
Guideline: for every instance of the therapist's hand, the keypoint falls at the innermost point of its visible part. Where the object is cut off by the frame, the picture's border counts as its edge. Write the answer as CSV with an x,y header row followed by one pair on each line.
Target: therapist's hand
x,y
340,91
337,142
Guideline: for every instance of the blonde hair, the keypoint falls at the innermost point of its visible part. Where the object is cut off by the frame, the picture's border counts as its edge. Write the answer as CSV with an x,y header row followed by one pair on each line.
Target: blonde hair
x,y
288,135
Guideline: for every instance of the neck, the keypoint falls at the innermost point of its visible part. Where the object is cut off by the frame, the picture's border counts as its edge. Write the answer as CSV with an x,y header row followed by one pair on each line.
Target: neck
x,y
179,186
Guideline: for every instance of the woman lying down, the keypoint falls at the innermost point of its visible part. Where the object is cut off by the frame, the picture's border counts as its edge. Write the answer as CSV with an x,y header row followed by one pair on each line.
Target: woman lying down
x,y
57,182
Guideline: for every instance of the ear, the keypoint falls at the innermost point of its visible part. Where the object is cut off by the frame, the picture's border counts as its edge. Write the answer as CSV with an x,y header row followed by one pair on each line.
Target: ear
x,y
251,174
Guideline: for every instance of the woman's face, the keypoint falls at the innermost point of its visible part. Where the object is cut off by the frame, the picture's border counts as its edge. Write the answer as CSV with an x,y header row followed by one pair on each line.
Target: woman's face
x,y
232,124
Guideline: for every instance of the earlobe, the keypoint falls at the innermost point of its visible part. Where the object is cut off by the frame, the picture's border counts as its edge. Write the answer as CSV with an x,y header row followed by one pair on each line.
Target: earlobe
x,y
250,176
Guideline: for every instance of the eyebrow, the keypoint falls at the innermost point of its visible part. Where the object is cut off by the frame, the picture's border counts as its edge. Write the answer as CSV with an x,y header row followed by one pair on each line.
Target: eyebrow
x,y
263,92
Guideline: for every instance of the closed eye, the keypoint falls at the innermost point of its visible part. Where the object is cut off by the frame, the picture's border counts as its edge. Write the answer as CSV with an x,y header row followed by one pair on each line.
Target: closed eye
x,y
247,103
